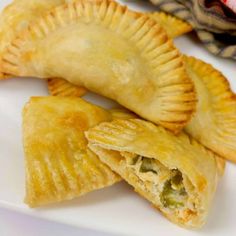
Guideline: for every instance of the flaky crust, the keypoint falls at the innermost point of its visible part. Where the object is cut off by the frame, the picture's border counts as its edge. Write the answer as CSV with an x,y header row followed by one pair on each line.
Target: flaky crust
x,y
180,152
139,68
59,166
122,114
214,122
174,27
63,88
20,13
17,16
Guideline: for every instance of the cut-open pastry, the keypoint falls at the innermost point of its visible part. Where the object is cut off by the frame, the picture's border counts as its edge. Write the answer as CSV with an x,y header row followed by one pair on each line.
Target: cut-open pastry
x,y
176,173
59,165
173,26
112,51
214,123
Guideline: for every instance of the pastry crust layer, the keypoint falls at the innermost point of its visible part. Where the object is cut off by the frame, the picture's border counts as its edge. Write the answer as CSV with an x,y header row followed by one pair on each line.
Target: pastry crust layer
x,y
60,87
17,16
174,27
213,124
196,164
118,53
59,165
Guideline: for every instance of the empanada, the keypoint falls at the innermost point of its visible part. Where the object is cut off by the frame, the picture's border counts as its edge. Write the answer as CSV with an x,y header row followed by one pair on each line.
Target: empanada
x,y
173,25
176,173
174,28
59,165
110,50
214,123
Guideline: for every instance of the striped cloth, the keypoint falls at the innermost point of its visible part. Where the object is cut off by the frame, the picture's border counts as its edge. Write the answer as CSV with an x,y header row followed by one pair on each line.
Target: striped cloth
x,y
214,23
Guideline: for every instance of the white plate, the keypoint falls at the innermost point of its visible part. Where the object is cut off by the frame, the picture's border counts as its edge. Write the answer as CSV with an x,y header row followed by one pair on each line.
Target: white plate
x,y
116,209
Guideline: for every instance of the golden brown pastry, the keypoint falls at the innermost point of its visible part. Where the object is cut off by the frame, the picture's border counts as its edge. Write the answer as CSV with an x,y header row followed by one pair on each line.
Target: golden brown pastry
x,y
221,165
17,16
174,27
20,13
214,123
175,173
60,87
59,165
110,50
122,114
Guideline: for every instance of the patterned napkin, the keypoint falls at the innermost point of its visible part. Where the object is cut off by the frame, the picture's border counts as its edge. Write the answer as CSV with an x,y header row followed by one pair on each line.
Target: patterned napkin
x,y
214,23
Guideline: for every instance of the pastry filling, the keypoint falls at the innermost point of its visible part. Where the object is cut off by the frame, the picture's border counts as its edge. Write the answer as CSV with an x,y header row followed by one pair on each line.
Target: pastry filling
x,y
174,194
168,185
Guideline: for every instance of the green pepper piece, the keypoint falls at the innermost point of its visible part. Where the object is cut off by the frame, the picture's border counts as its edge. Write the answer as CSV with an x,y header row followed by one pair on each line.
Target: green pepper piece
x,y
174,193
135,160
147,165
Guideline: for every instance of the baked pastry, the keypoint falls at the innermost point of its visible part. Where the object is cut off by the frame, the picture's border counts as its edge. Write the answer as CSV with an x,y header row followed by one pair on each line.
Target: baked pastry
x,y
20,13
17,16
174,26
60,87
175,173
112,51
122,114
59,165
214,123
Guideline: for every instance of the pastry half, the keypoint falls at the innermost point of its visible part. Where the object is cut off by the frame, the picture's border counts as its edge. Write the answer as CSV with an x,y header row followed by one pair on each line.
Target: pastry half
x,y
174,26
59,166
175,173
214,123
112,51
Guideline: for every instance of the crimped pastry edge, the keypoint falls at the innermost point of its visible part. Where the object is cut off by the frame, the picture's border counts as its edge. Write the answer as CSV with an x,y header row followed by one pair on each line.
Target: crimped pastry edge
x,y
172,119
